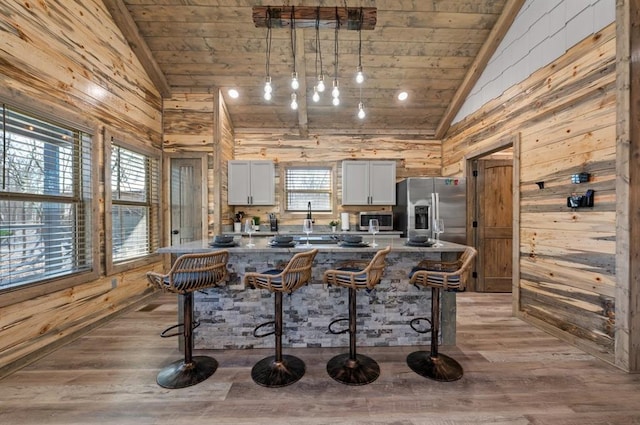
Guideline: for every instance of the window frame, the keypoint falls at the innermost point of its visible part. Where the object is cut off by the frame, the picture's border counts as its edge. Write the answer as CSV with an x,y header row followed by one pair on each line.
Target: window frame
x,y
284,213
155,216
53,284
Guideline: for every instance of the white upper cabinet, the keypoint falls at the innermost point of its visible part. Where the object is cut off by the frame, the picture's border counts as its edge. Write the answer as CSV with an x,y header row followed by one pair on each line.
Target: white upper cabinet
x,y
368,183
251,183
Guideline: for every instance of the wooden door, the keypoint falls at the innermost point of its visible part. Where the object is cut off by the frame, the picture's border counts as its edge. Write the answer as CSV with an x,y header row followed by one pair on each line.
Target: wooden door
x,y
494,233
186,200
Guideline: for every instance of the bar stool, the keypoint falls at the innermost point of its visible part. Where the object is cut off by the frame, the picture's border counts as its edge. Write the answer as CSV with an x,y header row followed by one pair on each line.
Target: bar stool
x,y
438,275
189,273
280,370
352,368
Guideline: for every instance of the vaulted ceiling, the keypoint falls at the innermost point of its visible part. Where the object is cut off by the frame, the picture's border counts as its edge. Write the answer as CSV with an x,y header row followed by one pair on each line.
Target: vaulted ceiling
x,y
434,50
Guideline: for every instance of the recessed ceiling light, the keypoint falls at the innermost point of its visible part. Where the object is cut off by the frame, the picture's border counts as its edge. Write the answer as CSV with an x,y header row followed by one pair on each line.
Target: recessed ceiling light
x,y
233,93
403,95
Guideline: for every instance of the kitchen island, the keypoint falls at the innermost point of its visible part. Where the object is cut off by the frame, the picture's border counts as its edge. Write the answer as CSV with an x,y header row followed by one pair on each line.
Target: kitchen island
x,y
229,313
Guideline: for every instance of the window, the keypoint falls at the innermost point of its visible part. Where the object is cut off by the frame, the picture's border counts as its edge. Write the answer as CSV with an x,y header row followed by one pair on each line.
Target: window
x,y
45,199
306,184
135,208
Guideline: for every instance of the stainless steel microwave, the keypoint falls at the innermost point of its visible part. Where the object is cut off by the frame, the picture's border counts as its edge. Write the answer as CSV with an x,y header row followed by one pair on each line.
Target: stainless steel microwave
x,y
385,220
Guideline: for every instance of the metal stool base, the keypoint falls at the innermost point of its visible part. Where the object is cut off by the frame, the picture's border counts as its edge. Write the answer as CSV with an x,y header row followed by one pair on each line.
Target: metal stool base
x,y
361,371
270,373
439,367
180,374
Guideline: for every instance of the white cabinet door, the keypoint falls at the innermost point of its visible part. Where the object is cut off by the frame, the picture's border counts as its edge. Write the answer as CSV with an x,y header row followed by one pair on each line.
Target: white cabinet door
x,y
382,183
262,183
251,183
239,184
355,182
368,182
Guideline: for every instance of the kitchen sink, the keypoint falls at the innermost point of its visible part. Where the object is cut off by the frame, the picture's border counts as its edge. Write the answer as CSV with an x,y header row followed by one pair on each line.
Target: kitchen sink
x,y
318,239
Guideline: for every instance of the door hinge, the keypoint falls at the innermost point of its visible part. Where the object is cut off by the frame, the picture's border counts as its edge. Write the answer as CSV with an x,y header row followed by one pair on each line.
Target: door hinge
x,y
474,275
475,224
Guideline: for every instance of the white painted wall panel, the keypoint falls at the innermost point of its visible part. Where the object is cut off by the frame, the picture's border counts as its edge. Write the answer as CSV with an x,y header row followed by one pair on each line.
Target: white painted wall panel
x,y
542,32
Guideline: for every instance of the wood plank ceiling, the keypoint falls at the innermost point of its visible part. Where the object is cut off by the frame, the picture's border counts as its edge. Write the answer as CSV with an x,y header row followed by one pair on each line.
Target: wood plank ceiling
x,y
434,50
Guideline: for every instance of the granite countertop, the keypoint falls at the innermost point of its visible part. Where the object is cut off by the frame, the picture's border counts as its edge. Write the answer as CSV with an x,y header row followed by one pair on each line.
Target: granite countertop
x,y
263,233
263,245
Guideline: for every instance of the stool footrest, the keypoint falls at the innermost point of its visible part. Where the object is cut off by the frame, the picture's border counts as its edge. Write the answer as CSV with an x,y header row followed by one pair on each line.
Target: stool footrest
x,y
164,333
341,331
262,325
413,323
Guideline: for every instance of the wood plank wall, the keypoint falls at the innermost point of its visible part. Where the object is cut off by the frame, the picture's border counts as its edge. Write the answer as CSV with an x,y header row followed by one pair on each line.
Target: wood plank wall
x,y
414,156
565,115
69,60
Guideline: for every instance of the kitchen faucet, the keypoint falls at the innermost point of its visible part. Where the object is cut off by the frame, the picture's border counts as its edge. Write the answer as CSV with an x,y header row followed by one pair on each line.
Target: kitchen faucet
x,y
309,212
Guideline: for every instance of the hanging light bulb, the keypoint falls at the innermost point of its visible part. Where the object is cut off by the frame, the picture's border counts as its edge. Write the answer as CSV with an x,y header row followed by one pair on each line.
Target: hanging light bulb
x,y
294,101
267,88
361,112
359,75
294,81
316,96
335,92
321,86
336,101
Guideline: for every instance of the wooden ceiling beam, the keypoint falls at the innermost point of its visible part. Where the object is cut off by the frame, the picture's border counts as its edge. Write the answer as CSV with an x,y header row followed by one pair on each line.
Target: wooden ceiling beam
x,y
348,18
509,13
129,29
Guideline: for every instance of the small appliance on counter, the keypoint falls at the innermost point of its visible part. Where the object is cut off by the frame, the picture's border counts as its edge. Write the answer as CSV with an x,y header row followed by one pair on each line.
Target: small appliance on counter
x,y
273,222
385,220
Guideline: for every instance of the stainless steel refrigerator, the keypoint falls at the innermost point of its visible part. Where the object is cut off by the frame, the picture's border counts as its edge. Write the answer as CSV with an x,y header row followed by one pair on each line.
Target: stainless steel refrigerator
x,y
414,210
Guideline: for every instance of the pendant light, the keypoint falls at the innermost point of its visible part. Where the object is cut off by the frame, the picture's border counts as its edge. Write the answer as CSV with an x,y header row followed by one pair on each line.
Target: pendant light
x,y
361,113
319,87
359,74
335,93
267,81
295,84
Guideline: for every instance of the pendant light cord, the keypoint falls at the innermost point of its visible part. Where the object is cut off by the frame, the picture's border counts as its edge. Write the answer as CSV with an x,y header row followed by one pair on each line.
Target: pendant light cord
x,y
336,45
318,49
268,40
293,37
360,39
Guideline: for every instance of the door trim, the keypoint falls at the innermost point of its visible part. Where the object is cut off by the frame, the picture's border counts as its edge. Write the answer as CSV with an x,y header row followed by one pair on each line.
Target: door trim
x,y
498,145
166,188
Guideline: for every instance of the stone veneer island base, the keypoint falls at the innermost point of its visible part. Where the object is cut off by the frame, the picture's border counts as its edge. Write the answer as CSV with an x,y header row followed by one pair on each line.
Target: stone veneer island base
x,y
229,313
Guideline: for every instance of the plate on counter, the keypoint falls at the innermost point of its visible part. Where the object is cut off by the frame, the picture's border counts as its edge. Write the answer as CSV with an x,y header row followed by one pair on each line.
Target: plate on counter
x,y
354,244
223,244
283,245
420,244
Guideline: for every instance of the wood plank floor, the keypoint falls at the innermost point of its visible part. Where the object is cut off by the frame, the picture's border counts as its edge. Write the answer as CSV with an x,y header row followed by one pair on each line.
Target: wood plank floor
x,y
514,374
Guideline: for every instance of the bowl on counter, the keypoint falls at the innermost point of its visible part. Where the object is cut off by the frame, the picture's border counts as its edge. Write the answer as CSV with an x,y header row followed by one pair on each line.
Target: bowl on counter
x,y
282,239
419,238
352,238
223,239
